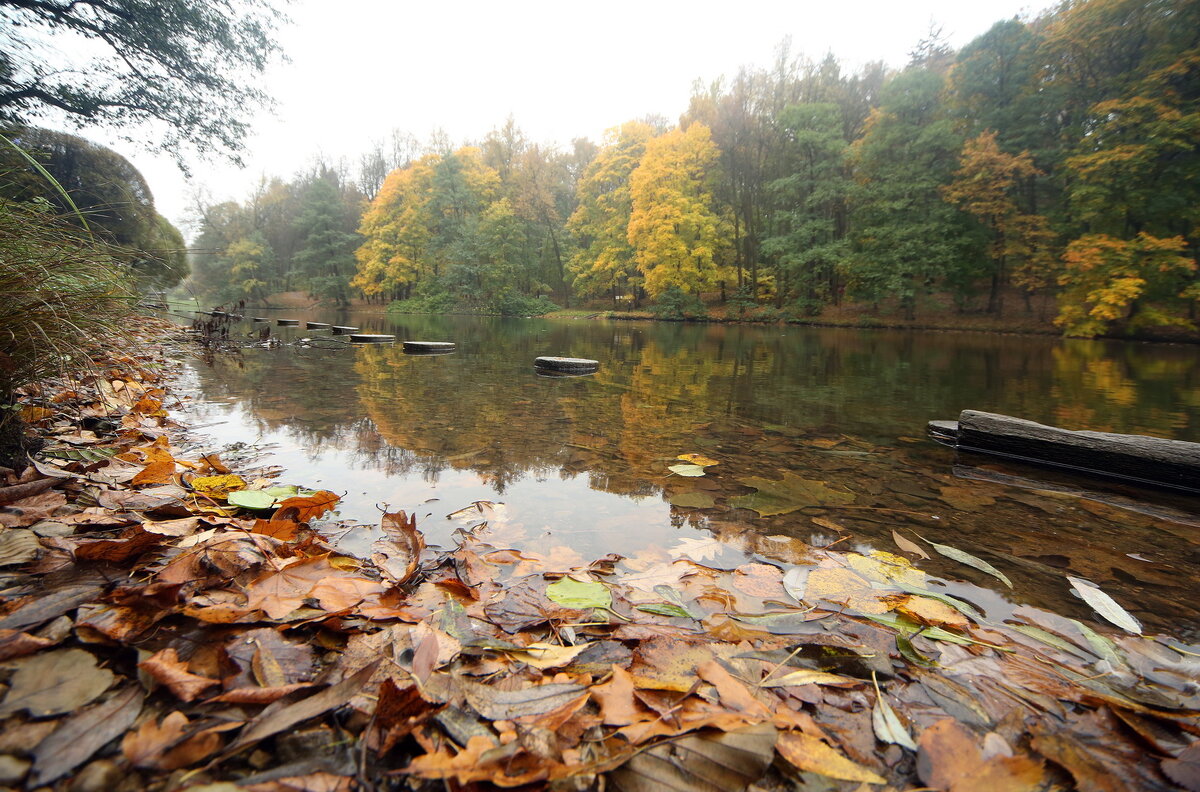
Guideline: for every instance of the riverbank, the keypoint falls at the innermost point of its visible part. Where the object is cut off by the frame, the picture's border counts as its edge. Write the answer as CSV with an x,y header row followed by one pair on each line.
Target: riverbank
x,y
207,642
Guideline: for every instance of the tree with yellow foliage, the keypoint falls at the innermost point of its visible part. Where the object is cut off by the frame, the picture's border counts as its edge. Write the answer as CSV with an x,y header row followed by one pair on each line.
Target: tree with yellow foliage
x,y
985,186
604,263
396,227
677,237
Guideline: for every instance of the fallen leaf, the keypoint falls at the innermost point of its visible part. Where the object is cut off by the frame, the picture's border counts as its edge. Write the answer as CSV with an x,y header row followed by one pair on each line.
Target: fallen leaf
x,y
1185,768
709,760
144,746
787,495
217,486
1105,605
55,682
971,561
544,655
932,612
167,668
398,554
82,734
845,587
697,459
571,593
495,704
908,545
965,498
18,546
949,758
692,500
808,753
690,471
305,508
886,723
618,707
159,472
809,676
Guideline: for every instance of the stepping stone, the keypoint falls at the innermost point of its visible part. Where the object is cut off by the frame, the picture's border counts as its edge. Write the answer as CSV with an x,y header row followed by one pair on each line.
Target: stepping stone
x,y
567,365
342,329
317,325
261,319
288,322
428,347
372,338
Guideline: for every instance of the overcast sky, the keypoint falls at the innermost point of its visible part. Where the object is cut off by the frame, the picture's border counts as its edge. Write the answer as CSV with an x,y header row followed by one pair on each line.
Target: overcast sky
x,y
362,68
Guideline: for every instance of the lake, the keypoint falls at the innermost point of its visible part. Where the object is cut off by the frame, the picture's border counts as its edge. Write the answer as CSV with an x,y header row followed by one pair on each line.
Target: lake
x,y
576,468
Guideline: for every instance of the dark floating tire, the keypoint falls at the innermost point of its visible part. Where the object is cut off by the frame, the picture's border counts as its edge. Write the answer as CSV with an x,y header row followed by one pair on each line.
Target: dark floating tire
x,y
554,374
343,329
371,338
428,347
1173,464
317,325
567,365
288,322
261,319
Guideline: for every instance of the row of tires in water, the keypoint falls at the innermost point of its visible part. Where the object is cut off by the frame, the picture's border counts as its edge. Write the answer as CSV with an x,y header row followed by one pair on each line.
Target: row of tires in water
x,y
547,365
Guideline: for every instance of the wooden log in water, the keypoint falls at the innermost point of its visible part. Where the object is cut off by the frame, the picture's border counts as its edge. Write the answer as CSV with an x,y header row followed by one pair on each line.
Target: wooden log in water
x,y
1140,459
568,365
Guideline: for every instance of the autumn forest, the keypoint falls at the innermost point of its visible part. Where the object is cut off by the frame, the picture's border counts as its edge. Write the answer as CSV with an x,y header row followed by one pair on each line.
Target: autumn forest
x,y
1051,157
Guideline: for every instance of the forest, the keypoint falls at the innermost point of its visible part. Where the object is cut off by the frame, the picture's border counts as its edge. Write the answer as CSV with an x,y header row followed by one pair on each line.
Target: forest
x,y
1056,156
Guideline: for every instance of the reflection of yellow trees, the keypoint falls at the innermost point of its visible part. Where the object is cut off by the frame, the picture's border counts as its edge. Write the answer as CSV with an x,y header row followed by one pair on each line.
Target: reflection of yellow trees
x,y
1106,388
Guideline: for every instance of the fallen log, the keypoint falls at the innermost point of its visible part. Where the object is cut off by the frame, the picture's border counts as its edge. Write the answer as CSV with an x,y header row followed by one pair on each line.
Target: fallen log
x,y
1154,461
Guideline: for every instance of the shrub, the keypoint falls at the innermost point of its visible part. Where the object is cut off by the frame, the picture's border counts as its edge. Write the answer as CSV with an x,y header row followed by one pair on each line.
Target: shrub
x,y
674,303
60,291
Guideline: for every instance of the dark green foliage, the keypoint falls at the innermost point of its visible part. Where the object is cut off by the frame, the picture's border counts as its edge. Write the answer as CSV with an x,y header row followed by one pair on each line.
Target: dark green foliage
x,y
106,189
185,67
674,303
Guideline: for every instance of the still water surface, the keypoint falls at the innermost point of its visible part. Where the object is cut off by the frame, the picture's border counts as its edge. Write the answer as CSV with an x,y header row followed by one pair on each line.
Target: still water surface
x,y
577,467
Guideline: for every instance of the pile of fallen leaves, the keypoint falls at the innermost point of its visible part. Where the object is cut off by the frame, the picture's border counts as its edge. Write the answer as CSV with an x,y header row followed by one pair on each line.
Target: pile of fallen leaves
x,y
170,623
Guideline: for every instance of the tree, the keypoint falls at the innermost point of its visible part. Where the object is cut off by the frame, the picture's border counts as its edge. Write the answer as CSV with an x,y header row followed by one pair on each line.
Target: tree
x,y
985,187
810,224
676,235
605,262
111,196
187,68
1107,280
326,249
907,239
396,231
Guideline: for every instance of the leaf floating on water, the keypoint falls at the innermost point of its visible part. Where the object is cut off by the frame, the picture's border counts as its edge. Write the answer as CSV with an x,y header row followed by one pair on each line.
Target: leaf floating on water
x,y
886,723
692,500
698,459
908,545
809,676
690,471
571,593
971,561
251,499
787,495
217,486
795,581
697,549
1100,644
809,753
1105,605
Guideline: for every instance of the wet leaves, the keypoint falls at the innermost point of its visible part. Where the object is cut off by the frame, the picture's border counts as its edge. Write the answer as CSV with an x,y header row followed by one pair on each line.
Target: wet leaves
x,y
808,753
1105,605
571,593
787,495
55,682
963,557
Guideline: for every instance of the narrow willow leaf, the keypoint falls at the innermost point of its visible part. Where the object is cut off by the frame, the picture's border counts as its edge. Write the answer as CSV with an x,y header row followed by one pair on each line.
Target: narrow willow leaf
x,y
970,560
809,676
1048,638
665,609
910,653
1105,605
963,607
908,545
1104,648
888,727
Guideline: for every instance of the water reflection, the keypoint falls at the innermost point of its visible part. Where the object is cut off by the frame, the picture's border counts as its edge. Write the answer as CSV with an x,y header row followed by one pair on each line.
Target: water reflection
x,y
582,462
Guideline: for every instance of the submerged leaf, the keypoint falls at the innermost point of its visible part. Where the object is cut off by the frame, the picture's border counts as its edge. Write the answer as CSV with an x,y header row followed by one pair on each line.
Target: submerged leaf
x,y
908,545
787,495
705,761
692,500
698,459
571,593
687,470
886,723
1105,605
809,753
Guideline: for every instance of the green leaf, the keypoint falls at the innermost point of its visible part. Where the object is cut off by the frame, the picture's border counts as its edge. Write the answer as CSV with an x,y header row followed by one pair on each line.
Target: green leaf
x,y
1103,646
1105,605
787,495
910,653
1048,638
571,593
690,471
251,499
692,500
971,561
665,609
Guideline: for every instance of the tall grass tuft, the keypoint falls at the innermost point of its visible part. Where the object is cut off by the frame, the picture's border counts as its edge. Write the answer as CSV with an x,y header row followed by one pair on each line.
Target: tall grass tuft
x,y
61,291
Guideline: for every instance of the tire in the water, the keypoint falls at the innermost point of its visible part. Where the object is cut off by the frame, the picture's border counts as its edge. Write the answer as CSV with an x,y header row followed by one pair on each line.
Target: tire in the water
x,y
567,365
428,347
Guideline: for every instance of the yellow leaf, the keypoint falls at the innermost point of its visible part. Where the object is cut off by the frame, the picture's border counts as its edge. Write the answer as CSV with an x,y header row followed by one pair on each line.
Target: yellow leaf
x,y
809,753
545,655
698,459
217,486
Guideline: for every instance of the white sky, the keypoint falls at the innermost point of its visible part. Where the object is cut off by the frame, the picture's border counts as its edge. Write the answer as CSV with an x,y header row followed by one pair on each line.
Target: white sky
x,y
362,68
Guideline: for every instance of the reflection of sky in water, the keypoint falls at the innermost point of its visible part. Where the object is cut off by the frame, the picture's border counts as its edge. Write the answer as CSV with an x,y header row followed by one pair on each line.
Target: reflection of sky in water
x,y
543,509
582,463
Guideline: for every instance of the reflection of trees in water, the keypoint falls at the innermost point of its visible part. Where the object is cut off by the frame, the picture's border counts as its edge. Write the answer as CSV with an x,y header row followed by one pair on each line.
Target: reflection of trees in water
x,y
660,386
